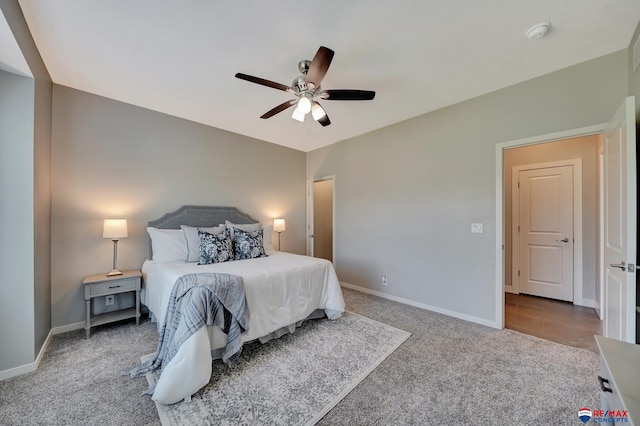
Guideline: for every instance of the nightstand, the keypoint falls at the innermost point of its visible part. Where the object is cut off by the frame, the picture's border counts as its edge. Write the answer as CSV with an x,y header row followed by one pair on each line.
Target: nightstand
x,y
102,285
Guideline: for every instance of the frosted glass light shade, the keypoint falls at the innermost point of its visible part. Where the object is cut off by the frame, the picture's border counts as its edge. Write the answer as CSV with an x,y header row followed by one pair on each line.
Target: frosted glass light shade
x,y
114,228
304,105
279,225
297,115
317,111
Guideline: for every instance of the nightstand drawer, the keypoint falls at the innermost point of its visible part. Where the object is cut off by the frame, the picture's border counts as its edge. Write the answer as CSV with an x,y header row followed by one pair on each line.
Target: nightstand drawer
x,y
113,287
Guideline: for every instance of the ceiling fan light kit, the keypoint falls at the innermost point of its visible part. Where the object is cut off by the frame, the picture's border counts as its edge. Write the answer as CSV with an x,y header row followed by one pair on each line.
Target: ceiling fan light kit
x,y
307,86
317,111
297,115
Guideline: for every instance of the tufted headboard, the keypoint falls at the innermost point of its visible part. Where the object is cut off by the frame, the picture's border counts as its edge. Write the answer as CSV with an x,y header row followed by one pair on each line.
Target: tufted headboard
x,y
202,216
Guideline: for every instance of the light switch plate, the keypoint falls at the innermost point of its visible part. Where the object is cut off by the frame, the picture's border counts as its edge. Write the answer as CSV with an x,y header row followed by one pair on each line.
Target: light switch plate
x,y
477,228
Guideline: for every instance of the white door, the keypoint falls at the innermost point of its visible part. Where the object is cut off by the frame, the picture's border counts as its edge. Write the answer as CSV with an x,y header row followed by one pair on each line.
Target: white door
x,y
546,232
620,224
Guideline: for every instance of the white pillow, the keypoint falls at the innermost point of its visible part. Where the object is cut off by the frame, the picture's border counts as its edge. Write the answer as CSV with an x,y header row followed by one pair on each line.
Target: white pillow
x,y
168,245
267,237
187,372
193,240
247,227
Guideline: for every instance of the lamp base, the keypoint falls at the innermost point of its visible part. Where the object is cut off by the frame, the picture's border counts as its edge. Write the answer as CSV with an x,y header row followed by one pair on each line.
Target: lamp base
x,y
114,272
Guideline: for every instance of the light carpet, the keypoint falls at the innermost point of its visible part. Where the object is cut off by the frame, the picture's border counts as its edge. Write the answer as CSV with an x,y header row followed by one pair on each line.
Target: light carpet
x,y
296,379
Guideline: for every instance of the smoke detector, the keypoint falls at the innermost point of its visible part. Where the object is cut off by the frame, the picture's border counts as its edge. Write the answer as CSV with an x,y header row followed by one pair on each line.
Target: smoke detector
x,y
538,31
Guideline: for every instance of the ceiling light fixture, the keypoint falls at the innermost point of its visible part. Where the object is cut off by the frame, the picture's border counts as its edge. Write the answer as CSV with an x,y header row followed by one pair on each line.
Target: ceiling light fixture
x,y
317,111
297,115
538,31
304,104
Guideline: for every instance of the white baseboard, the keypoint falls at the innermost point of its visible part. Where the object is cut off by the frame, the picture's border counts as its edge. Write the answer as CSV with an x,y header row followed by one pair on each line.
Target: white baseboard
x,y
33,366
509,289
27,368
588,303
447,312
69,327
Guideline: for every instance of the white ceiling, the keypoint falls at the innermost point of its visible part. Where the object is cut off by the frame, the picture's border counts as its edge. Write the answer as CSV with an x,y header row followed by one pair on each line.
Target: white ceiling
x,y
180,57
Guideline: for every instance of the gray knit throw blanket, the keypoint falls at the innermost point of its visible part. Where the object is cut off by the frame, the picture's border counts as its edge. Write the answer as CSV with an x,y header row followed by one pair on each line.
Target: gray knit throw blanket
x,y
194,303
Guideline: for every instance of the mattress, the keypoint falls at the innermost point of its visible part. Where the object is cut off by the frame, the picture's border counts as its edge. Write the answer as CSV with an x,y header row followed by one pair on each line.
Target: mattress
x,y
281,290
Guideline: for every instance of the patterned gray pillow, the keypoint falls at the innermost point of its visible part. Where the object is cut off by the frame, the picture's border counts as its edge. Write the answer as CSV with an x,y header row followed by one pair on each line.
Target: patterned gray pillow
x,y
215,248
249,245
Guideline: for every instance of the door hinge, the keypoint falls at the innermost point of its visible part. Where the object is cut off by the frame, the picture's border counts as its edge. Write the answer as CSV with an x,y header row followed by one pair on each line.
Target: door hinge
x,y
518,228
518,272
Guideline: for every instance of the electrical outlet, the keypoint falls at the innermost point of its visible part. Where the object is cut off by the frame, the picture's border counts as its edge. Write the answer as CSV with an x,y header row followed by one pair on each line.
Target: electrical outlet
x,y
109,300
384,280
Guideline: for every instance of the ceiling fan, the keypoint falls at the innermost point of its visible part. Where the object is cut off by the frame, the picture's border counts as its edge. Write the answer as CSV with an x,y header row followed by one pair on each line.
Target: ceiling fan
x,y
307,88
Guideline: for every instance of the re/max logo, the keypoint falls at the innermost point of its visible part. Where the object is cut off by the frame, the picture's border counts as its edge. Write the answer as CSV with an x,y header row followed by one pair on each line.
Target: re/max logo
x,y
610,413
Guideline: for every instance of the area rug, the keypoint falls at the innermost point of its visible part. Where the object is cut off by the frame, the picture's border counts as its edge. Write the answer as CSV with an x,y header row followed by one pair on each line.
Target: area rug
x,y
296,379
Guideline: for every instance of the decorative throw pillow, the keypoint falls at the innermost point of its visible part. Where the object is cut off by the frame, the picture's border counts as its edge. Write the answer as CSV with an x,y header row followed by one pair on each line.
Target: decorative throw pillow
x,y
248,227
249,244
215,248
193,239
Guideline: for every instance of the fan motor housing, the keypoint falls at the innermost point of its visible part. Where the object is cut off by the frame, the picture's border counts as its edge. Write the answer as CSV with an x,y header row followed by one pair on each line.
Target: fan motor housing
x,y
299,84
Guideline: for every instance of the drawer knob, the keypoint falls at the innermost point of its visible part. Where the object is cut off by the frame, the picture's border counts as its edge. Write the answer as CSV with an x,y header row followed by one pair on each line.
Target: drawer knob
x,y
604,385
114,286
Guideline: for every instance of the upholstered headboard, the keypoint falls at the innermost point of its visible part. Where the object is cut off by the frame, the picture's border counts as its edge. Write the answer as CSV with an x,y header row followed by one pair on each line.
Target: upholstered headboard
x,y
202,216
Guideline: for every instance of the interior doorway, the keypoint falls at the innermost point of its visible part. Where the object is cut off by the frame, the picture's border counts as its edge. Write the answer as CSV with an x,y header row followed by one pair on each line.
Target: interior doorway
x,y
321,218
530,152
544,162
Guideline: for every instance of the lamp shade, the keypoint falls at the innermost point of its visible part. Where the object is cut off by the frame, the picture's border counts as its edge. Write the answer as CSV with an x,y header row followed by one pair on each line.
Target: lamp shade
x,y
279,225
114,228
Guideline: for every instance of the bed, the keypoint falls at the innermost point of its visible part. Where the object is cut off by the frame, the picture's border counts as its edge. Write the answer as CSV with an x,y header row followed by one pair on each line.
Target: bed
x,y
281,289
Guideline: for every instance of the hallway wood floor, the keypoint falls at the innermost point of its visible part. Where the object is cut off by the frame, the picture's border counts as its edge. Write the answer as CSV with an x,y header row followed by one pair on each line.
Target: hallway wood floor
x,y
560,322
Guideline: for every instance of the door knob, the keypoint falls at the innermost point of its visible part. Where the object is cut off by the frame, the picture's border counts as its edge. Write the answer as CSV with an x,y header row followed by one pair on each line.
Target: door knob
x,y
312,236
620,265
564,240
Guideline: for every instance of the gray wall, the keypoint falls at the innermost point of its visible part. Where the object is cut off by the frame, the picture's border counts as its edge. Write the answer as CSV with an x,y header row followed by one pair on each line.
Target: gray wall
x,y
25,201
406,195
634,75
111,159
584,148
16,224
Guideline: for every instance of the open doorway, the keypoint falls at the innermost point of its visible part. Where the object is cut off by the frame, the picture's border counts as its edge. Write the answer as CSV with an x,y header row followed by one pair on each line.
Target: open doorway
x,y
321,218
551,223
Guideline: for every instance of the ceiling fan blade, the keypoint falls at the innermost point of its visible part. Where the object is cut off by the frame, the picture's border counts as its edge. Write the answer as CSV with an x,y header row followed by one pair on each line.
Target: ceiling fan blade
x,y
347,95
279,108
263,82
319,66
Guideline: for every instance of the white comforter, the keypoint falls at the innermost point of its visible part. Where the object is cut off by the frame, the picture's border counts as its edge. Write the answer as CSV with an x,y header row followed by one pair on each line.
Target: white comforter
x,y
281,289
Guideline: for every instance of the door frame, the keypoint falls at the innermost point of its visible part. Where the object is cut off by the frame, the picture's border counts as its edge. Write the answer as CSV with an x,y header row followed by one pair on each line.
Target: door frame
x,y
309,245
499,170
576,164
600,299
